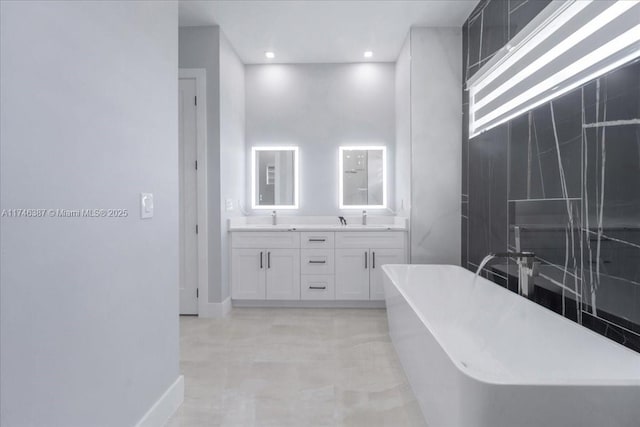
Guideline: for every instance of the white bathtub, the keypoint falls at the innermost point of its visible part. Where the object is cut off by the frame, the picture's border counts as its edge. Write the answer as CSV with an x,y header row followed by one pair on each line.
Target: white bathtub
x,y
481,356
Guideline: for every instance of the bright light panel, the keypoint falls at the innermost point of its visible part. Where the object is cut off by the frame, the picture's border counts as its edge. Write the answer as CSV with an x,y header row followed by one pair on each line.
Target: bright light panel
x,y
368,54
270,55
598,60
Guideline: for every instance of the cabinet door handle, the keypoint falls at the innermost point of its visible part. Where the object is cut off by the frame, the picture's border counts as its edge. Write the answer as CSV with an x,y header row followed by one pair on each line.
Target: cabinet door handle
x,y
366,257
318,287
373,261
317,240
317,262
268,259
261,261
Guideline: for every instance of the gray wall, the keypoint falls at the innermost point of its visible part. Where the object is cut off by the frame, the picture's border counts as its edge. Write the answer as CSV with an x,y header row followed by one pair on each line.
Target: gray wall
x,y
208,48
232,146
88,311
200,48
436,114
320,107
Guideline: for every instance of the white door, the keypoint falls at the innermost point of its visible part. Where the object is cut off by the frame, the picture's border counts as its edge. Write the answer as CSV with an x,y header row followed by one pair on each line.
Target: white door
x,y
352,274
188,197
248,268
283,274
380,257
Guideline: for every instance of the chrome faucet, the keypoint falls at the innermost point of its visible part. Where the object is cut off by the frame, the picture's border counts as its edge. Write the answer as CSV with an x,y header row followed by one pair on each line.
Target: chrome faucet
x,y
274,218
364,217
527,268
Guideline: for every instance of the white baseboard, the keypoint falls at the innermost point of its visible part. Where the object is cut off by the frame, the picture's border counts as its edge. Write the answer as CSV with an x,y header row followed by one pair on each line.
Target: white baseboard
x,y
165,406
215,309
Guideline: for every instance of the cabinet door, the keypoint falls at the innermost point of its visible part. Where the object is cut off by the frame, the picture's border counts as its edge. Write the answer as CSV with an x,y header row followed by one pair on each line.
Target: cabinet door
x,y
283,274
380,257
248,273
352,274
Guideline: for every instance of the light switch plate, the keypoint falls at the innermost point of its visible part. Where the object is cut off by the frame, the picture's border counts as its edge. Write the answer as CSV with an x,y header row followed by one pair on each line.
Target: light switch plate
x,y
146,205
229,204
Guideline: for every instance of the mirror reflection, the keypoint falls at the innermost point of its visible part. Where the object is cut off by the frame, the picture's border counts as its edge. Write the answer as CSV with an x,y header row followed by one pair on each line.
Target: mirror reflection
x,y
275,177
363,177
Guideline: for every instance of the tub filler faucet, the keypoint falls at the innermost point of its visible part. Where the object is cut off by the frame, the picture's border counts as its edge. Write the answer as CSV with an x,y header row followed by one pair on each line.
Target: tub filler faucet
x,y
274,218
364,217
527,269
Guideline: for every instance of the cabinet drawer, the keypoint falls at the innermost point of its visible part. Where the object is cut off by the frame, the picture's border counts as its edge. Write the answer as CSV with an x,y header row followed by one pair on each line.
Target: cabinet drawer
x,y
317,287
265,239
319,240
316,261
370,239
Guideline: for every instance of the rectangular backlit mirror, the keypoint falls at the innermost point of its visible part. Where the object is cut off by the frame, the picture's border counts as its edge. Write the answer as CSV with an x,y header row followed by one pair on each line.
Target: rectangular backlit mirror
x,y
274,180
363,177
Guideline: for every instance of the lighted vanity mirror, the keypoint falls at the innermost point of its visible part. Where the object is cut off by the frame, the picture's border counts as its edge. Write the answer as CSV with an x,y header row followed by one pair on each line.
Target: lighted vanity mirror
x,y
274,180
363,177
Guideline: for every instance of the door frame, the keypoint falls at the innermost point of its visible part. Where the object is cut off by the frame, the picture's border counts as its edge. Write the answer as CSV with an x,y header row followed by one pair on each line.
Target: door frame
x,y
200,76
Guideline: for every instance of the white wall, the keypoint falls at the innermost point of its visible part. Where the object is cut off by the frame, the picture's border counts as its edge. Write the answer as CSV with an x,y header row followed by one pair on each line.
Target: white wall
x,y
436,116
200,48
320,107
403,129
232,146
88,311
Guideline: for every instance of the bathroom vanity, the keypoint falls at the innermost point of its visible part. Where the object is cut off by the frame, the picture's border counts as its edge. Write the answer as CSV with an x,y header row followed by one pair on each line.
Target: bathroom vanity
x,y
313,259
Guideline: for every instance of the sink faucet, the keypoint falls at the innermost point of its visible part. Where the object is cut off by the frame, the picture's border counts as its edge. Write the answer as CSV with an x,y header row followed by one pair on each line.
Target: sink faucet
x,y
274,218
364,217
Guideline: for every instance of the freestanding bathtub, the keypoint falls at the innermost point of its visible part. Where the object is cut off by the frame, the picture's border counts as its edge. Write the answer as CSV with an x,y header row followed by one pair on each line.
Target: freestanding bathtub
x,y
477,355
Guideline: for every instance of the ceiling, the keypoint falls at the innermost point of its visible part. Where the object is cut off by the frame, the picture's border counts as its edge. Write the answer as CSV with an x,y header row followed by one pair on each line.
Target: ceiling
x,y
321,31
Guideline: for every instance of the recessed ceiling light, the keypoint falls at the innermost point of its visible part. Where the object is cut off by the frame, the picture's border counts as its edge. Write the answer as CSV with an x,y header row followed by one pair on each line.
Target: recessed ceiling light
x,y
368,54
270,54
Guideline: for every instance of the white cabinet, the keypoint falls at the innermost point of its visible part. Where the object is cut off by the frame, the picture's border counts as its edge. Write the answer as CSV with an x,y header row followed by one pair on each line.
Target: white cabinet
x,y
324,265
380,257
247,270
283,274
359,258
317,265
370,239
265,266
352,274
265,239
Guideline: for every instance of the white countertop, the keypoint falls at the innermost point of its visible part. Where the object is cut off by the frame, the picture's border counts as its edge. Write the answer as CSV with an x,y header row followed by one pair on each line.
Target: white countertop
x,y
306,223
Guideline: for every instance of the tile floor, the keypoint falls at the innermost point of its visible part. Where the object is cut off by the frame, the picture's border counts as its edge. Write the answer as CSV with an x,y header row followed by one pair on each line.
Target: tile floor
x,y
293,367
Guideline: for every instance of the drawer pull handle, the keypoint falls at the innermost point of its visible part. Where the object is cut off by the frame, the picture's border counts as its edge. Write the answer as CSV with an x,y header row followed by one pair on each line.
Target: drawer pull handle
x,y
269,259
317,240
317,262
373,264
261,261
366,256
318,287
